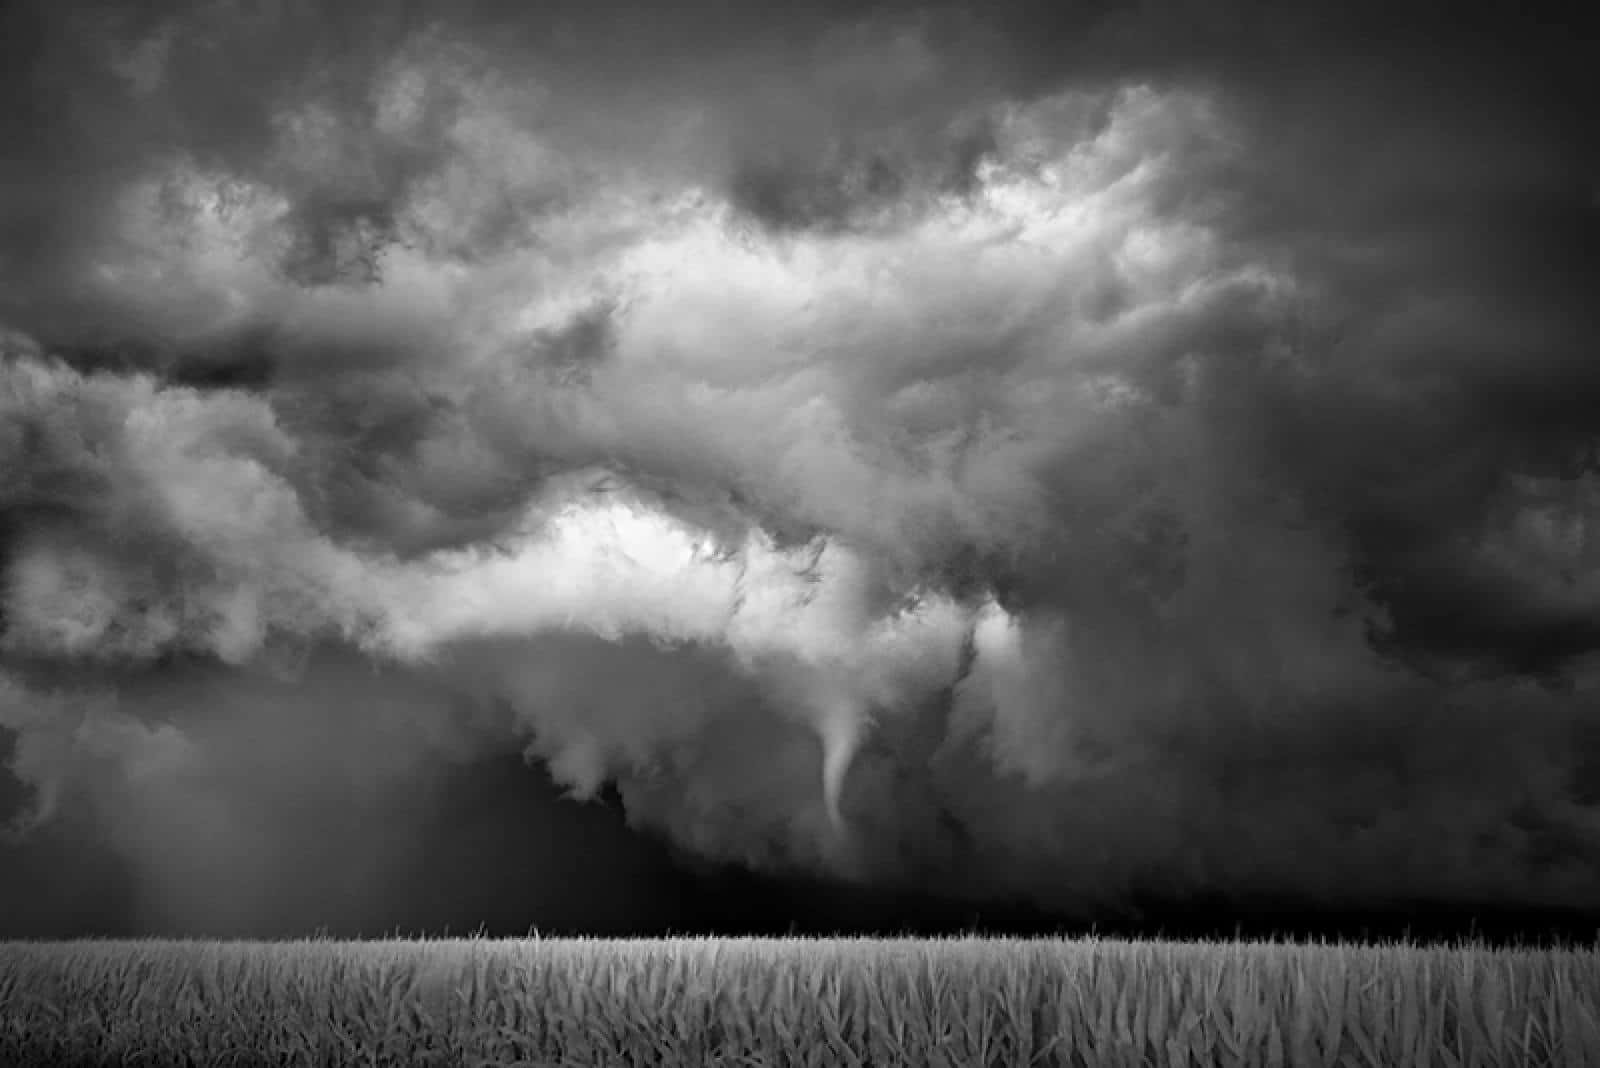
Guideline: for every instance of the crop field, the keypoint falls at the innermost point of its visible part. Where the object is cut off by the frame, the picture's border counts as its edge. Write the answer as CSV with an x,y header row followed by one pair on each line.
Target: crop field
x,y
954,1003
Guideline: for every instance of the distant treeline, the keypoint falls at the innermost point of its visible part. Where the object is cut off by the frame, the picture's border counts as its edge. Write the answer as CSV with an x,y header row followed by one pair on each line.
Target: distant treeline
x,y
741,903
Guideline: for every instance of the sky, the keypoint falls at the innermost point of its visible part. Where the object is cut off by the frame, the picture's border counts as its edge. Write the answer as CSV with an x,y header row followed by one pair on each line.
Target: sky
x,y
614,466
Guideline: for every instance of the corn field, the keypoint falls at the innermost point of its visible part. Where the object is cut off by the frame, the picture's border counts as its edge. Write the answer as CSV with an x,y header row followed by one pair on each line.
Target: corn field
x,y
943,1003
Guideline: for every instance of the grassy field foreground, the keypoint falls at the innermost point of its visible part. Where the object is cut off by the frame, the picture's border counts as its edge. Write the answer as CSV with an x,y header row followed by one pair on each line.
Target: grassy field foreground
x,y
956,1003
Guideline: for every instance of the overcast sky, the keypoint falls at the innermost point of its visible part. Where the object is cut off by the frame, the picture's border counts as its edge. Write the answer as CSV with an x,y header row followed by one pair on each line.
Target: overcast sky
x,y
485,462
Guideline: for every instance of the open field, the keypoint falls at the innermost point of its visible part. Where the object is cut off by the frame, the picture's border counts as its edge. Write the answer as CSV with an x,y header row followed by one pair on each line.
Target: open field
x,y
953,1003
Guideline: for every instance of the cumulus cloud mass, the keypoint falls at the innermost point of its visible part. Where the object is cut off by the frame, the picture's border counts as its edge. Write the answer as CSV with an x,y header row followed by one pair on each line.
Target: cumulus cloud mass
x,y
1047,454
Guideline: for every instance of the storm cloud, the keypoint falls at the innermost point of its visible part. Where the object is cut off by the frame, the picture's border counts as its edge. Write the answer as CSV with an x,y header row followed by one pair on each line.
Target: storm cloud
x,y
1061,454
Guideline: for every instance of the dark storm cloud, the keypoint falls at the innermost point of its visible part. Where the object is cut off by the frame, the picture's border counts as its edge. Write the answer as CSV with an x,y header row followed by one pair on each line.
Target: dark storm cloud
x,y
1069,452
854,188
